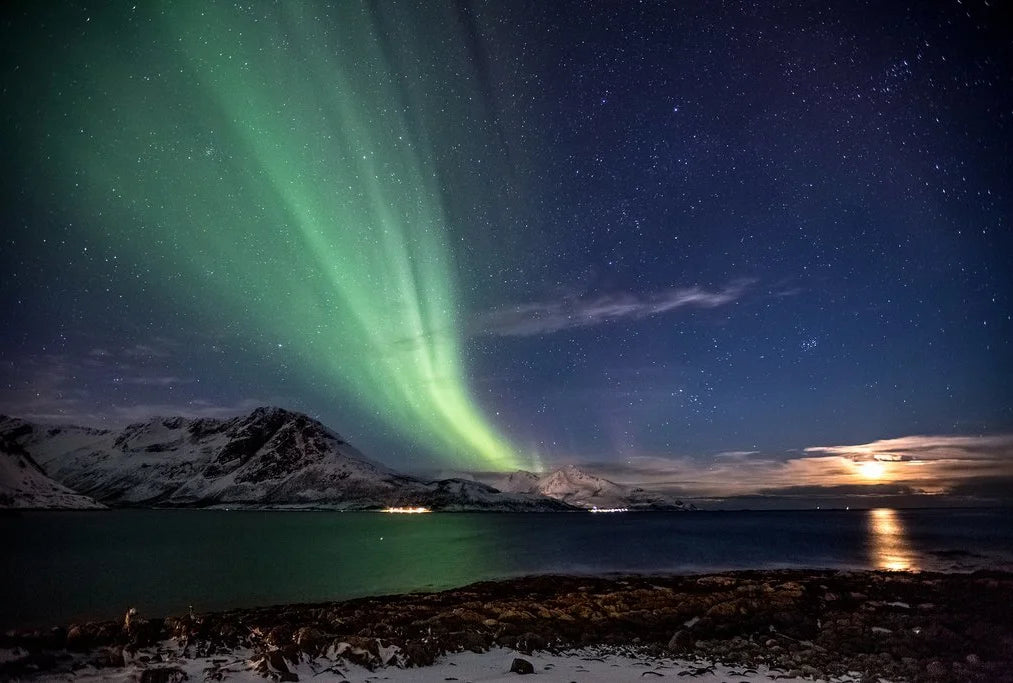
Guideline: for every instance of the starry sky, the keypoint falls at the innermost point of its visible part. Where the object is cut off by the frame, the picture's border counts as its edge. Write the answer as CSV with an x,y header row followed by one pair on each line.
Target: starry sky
x,y
656,237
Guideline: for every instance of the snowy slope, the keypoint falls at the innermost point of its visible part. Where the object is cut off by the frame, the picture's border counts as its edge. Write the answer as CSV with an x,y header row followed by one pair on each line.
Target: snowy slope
x,y
520,481
268,457
23,484
579,488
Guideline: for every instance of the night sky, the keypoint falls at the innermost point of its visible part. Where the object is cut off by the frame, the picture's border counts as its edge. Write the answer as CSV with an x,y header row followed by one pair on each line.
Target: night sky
x,y
490,235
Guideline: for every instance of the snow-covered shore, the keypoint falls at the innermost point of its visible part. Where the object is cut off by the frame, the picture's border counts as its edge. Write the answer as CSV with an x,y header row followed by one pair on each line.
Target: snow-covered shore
x,y
498,665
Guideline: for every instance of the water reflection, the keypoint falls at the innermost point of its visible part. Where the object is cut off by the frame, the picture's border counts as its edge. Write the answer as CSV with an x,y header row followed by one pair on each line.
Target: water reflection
x,y
888,543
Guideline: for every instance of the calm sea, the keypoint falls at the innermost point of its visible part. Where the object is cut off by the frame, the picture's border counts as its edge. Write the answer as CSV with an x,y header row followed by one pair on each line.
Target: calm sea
x,y
58,567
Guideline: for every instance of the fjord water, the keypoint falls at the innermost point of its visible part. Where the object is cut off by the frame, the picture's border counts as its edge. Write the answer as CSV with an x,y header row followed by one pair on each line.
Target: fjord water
x,y
59,567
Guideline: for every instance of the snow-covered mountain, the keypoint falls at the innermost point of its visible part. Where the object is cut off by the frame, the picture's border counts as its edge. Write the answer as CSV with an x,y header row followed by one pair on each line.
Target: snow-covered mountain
x,y
23,484
574,485
463,494
270,457
520,481
580,488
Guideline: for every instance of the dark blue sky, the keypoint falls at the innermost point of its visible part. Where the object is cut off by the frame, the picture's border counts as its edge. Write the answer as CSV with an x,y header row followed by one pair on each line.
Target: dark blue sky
x,y
847,168
685,228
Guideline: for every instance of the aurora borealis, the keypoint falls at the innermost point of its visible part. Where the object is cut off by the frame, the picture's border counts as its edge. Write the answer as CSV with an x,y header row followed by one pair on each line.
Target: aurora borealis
x,y
479,235
304,202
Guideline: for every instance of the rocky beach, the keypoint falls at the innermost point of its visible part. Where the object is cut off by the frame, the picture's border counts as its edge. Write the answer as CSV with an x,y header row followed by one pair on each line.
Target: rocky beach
x,y
799,624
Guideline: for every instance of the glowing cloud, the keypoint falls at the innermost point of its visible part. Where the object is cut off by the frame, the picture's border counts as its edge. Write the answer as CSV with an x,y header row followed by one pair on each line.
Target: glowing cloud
x,y
274,170
910,465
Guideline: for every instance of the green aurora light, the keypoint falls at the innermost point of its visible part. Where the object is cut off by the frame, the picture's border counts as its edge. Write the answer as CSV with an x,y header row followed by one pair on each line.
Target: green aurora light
x,y
276,169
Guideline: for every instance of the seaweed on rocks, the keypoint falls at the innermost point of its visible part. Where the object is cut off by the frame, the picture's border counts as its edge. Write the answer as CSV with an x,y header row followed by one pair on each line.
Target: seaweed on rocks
x,y
931,627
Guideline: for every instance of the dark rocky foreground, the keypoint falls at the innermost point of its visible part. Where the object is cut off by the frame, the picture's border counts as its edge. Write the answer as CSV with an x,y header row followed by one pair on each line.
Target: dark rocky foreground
x,y
919,627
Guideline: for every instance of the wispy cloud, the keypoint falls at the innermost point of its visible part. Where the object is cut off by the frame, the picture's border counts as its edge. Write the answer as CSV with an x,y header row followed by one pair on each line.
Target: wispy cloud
x,y
108,383
160,347
79,413
546,317
134,413
739,456
157,381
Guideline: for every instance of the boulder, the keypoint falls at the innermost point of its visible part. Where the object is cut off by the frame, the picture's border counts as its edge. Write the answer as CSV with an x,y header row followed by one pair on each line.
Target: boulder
x,y
522,666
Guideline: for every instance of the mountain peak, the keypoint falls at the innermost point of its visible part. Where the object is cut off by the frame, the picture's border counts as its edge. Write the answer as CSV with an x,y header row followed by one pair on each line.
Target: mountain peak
x,y
269,455
274,412
576,486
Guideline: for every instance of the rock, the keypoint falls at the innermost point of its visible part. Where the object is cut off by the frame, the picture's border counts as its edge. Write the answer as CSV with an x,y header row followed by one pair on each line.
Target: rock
x,y
681,641
163,674
936,670
522,666
278,636
514,615
144,632
470,640
362,651
78,638
82,637
810,671
108,657
421,653
273,664
308,638
530,642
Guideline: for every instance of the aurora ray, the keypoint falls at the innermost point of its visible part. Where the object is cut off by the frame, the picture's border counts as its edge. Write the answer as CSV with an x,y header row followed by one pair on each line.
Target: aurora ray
x,y
283,173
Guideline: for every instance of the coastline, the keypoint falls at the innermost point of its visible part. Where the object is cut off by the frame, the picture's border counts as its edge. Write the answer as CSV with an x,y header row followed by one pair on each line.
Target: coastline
x,y
802,623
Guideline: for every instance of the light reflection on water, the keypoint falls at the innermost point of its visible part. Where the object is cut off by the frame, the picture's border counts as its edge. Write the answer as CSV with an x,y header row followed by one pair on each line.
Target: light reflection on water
x,y
888,543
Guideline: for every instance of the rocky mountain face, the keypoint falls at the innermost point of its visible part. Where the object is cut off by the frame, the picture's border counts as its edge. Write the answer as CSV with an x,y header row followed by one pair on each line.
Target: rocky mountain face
x,y
581,489
270,457
24,485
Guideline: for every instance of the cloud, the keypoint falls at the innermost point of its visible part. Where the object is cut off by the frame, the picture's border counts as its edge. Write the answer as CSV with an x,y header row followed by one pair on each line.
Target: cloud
x,y
546,317
999,488
914,466
110,383
926,448
843,491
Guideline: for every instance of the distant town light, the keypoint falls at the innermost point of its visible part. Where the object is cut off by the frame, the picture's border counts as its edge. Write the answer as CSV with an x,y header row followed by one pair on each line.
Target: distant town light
x,y
408,510
598,509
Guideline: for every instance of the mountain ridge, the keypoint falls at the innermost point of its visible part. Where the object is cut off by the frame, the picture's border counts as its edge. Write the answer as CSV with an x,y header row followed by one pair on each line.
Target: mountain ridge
x,y
270,457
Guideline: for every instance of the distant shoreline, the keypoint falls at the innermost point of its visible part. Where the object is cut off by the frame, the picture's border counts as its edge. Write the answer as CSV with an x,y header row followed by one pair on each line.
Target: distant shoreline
x,y
811,622
12,511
